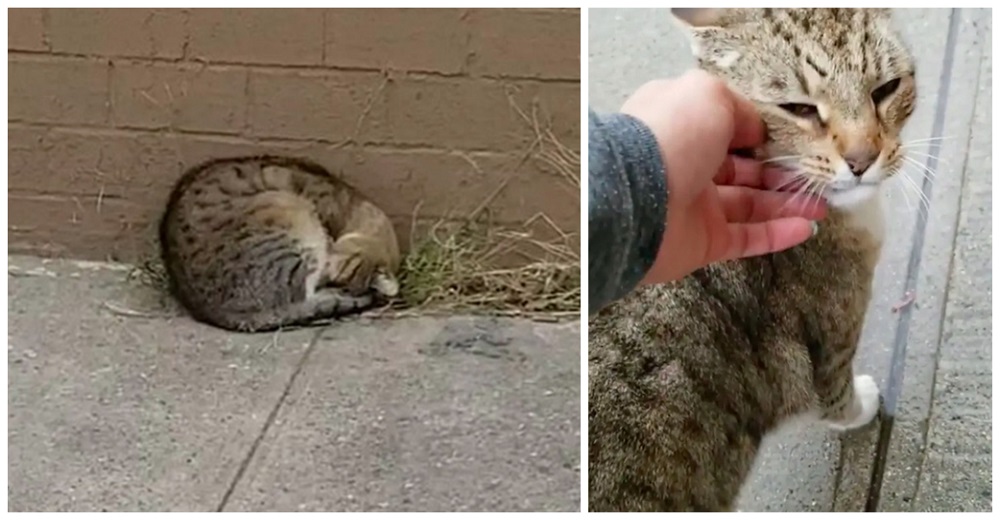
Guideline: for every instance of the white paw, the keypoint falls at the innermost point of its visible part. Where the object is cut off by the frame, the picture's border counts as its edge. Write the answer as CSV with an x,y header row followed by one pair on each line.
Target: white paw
x,y
865,406
385,285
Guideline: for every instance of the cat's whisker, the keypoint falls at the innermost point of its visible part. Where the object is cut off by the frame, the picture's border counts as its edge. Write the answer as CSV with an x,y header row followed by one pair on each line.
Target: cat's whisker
x,y
930,173
808,190
785,184
803,185
817,194
927,155
913,185
929,140
787,203
796,192
904,191
797,176
909,180
912,146
921,175
780,159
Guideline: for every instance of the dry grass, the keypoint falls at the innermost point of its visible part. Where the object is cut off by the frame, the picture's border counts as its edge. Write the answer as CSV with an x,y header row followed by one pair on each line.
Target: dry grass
x,y
150,272
461,267
465,265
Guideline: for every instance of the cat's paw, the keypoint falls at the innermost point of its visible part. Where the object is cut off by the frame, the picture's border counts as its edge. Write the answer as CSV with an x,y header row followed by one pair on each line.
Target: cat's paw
x,y
385,285
865,407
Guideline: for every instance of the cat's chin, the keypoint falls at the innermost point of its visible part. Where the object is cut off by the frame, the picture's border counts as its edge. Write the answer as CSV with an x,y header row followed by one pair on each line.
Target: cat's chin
x,y
851,198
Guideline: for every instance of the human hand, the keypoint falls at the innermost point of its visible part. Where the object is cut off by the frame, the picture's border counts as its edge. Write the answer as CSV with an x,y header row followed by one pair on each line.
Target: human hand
x,y
719,207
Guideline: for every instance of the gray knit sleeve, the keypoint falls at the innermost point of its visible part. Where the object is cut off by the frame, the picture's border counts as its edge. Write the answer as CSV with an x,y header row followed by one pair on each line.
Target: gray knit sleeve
x,y
628,205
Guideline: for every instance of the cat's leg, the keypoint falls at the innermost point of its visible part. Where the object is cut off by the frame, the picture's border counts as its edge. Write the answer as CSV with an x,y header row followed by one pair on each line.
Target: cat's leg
x,y
329,302
846,401
862,407
321,303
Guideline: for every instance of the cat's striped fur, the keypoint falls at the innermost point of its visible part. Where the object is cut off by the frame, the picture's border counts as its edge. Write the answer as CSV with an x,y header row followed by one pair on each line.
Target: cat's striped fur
x,y
257,243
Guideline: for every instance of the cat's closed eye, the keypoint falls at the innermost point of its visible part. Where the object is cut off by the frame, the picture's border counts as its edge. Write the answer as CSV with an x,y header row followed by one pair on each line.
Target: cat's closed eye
x,y
881,93
802,110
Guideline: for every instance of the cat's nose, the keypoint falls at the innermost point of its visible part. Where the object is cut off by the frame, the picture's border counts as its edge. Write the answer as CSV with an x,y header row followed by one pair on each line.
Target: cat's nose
x,y
859,161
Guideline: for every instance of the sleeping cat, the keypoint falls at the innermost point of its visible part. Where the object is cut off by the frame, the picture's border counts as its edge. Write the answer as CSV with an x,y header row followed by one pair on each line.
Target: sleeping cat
x,y
257,243
687,378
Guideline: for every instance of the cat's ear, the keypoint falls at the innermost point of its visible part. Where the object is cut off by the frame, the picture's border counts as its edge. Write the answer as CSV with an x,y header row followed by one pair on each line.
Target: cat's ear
x,y
706,28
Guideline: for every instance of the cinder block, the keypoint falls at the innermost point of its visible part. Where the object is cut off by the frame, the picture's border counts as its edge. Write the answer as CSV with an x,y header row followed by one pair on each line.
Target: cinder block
x,y
25,30
400,39
152,33
525,43
472,114
309,105
76,226
276,36
194,98
136,166
57,90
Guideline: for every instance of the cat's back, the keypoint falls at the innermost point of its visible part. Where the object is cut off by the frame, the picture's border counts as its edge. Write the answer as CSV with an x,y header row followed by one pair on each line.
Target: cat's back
x,y
236,195
223,183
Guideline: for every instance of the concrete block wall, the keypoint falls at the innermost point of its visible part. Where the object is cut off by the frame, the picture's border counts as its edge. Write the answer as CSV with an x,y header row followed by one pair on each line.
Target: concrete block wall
x,y
107,107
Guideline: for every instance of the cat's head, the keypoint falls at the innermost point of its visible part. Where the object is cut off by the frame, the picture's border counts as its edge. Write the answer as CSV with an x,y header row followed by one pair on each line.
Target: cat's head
x,y
833,86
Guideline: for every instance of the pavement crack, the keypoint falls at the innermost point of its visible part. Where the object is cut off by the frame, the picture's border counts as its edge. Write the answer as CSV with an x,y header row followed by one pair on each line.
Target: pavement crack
x,y
268,422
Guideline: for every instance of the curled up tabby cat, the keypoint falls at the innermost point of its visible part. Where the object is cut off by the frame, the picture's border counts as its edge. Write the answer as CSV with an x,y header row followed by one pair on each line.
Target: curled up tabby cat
x,y
686,378
258,243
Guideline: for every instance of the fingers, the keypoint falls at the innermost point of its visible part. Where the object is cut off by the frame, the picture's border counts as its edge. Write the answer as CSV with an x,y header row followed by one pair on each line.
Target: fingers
x,y
739,171
748,130
760,238
742,204
779,179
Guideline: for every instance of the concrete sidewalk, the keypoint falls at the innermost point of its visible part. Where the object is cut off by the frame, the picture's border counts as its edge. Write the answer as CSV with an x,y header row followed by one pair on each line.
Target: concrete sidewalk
x,y
937,453
116,402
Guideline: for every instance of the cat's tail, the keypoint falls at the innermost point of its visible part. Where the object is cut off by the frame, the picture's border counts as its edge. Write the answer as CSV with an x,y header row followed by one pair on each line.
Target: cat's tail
x,y
325,304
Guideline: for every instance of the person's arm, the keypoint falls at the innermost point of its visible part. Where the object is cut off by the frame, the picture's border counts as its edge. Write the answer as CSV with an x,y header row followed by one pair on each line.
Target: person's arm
x,y
628,205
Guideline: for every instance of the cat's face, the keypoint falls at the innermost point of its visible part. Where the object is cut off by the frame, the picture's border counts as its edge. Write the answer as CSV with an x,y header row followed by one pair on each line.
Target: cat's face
x,y
833,86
